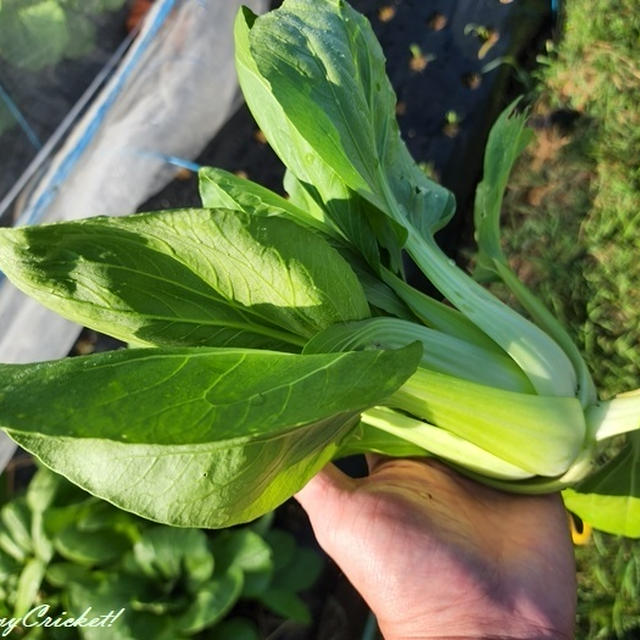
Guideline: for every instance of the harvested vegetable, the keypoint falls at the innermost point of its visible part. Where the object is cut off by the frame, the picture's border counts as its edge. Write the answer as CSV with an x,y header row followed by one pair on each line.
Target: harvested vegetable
x,y
272,335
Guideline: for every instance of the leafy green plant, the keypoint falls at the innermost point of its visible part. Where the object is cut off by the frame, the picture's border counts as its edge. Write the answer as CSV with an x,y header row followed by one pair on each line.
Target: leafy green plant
x,y
65,550
39,33
274,334
608,587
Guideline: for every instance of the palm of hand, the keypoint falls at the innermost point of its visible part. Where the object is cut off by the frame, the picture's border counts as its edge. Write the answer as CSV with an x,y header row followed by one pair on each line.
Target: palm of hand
x,y
438,556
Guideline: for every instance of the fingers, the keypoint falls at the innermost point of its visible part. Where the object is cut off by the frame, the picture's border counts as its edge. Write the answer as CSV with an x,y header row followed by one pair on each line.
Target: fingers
x,y
329,485
374,460
326,499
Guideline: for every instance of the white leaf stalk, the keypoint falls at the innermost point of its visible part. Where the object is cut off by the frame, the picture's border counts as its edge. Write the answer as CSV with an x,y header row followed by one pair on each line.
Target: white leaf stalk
x,y
615,417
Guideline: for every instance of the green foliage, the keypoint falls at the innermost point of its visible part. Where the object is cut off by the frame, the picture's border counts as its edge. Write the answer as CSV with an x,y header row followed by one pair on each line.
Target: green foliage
x,y
606,497
212,277
169,582
39,33
218,419
600,55
33,34
608,588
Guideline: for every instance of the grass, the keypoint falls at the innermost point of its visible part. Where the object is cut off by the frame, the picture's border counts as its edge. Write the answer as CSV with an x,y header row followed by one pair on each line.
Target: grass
x,y
573,207
572,228
608,588
598,73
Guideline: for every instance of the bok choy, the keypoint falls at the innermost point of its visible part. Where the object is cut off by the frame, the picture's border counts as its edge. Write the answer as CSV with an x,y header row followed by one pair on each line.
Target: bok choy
x,y
270,335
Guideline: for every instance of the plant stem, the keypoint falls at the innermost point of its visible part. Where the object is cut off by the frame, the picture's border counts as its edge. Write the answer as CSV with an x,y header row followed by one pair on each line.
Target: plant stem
x,y
541,359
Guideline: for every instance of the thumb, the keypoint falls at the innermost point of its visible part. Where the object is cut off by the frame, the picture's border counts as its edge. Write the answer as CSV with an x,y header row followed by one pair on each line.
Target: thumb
x,y
324,497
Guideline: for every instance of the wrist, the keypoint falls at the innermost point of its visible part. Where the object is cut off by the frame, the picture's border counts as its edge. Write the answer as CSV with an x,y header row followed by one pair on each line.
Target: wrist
x,y
474,630
533,635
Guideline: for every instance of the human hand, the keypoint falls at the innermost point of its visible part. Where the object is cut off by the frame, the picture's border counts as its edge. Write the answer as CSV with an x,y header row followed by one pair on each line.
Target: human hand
x,y
436,555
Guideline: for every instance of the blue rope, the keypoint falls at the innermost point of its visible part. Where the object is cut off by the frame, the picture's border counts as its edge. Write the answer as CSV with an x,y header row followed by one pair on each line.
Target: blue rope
x,y
174,160
20,119
34,213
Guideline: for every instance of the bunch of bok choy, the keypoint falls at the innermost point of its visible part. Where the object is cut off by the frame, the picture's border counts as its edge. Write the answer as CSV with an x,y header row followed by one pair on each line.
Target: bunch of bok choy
x,y
271,335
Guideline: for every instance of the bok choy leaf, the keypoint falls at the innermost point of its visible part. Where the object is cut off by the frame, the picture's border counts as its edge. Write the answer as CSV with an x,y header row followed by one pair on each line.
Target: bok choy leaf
x,y
195,436
187,277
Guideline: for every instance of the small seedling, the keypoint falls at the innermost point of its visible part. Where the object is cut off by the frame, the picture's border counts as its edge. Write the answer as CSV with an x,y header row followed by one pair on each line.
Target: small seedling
x,y
472,80
386,13
419,61
488,36
437,21
452,122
